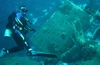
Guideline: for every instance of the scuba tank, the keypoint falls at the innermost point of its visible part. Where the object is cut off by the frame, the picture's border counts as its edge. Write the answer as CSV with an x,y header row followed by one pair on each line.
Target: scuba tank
x,y
8,34
8,30
11,21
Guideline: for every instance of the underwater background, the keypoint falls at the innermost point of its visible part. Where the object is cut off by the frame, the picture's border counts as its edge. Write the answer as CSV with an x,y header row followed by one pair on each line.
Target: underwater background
x,y
39,11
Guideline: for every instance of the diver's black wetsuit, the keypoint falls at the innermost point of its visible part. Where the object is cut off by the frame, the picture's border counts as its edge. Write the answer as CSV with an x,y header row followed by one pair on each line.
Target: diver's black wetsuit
x,y
17,34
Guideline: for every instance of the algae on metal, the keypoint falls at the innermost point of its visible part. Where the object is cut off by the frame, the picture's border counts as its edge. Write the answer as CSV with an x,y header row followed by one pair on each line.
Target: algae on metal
x,y
54,35
18,61
64,29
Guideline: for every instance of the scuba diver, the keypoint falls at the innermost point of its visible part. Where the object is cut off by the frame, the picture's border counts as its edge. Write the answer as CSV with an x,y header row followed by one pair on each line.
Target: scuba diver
x,y
17,27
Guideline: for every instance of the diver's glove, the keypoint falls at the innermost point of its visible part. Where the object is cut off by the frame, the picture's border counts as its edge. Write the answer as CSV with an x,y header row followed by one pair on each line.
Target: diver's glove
x,y
33,29
29,28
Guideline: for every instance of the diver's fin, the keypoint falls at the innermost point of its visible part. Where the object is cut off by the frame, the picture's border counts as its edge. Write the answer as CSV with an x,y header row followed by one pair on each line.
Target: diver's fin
x,y
43,54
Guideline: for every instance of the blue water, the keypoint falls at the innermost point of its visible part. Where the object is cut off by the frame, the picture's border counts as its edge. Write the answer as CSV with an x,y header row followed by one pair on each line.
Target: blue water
x,y
92,3
38,12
